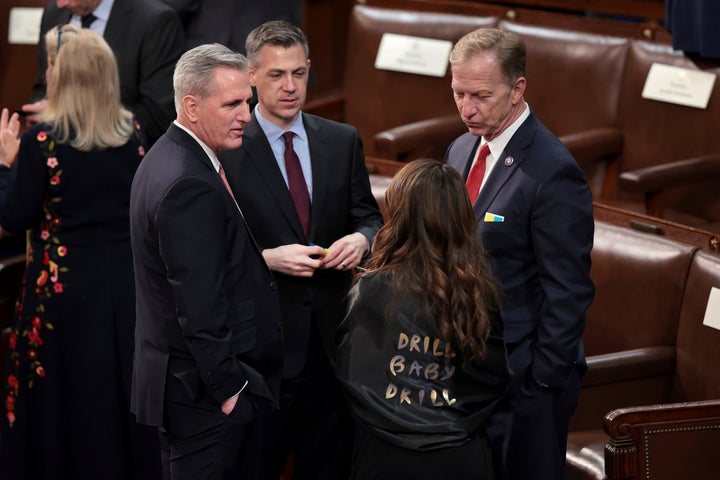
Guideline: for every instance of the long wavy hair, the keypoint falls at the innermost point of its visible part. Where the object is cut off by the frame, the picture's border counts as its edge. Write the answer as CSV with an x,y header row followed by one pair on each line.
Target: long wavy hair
x,y
84,106
431,247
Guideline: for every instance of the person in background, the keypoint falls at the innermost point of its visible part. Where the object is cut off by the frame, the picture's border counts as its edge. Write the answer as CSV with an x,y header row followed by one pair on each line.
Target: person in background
x,y
147,39
534,213
302,184
208,351
420,352
66,397
692,25
229,22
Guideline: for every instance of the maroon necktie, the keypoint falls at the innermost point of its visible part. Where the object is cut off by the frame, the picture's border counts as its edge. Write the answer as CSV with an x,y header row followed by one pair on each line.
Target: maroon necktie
x,y
296,183
477,172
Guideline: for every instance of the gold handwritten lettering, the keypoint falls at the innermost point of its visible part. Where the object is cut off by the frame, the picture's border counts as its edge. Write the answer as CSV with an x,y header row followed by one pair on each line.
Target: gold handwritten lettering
x,y
397,364
436,348
434,398
390,391
446,396
431,371
405,396
415,367
403,341
449,371
414,342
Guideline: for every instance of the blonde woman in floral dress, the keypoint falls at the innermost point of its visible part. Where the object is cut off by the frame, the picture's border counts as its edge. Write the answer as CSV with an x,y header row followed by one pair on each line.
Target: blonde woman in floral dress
x,y
65,400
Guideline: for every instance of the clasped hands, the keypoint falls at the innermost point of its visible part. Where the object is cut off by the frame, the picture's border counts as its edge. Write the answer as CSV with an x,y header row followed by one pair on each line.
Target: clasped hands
x,y
303,260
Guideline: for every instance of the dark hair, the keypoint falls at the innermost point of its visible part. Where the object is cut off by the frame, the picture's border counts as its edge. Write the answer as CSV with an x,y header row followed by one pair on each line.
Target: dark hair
x,y
276,33
431,246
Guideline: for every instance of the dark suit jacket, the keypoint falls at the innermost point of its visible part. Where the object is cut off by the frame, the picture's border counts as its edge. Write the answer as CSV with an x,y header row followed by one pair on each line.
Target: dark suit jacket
x,y
541,251
230,21
342,203
147,39
694,26
207,304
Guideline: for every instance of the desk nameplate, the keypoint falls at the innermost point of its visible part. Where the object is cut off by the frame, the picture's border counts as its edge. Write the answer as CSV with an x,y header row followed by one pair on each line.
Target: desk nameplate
x,y
682,86
712,312
422,56
24,26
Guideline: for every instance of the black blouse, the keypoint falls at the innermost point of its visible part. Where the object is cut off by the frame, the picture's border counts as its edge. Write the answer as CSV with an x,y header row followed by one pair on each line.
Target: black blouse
x,y
402,385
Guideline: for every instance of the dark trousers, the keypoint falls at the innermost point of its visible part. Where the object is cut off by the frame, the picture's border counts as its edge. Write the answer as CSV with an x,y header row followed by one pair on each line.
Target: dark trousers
x,y
375,459
313,425
200,442
528,431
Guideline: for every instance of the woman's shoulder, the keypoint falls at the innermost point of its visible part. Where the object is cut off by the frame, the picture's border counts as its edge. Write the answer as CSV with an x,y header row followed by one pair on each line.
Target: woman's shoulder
x,y
375,283
39,132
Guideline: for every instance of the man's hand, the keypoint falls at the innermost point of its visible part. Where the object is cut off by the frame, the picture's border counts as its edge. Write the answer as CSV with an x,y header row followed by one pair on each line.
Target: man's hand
x,y
295,259
347,252
9,143
229,404
33,111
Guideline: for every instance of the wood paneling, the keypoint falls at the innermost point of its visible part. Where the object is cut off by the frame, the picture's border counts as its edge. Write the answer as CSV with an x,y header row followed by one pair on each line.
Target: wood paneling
x,y
17,62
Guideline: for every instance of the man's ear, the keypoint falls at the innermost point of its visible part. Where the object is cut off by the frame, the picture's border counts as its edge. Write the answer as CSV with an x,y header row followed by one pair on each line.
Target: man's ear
x,y
518,90
251,75
191,107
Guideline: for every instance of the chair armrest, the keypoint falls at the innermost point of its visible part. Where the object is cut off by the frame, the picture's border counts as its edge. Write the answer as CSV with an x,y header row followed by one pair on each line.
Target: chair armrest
x,y
651,181
382,166
676,440
629,365
429,137
592,146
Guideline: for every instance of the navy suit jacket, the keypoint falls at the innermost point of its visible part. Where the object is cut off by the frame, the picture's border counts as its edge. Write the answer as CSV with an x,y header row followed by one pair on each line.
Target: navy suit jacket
x,y
342,203
207,304
694,26
541,251
147,39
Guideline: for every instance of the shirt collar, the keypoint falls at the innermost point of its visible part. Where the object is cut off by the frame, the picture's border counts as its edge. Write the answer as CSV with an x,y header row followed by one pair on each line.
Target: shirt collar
x,y
208,150
273,132
497,145
102,12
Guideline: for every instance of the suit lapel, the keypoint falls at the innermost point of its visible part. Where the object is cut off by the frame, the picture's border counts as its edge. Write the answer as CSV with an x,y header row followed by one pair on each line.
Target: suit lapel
x,y
116,27
320,160
508,163
181,137
261,156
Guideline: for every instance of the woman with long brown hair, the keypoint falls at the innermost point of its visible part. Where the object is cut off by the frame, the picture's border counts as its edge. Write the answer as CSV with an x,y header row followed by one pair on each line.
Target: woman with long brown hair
x,y
420,351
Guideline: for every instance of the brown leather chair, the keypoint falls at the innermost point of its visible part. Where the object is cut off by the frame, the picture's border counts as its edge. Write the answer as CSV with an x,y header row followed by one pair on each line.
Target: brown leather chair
x,y
661,401
377,100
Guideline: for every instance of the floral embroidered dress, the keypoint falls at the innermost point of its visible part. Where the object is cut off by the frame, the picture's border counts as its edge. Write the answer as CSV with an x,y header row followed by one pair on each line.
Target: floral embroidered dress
x,y
65,400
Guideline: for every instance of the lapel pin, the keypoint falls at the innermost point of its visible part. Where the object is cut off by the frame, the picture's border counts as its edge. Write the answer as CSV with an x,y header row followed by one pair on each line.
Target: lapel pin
x,y
509,161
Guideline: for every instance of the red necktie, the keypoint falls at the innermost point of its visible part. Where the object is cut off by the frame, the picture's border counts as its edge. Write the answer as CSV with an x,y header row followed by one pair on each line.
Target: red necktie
x,y
296,183
477,172
221,171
